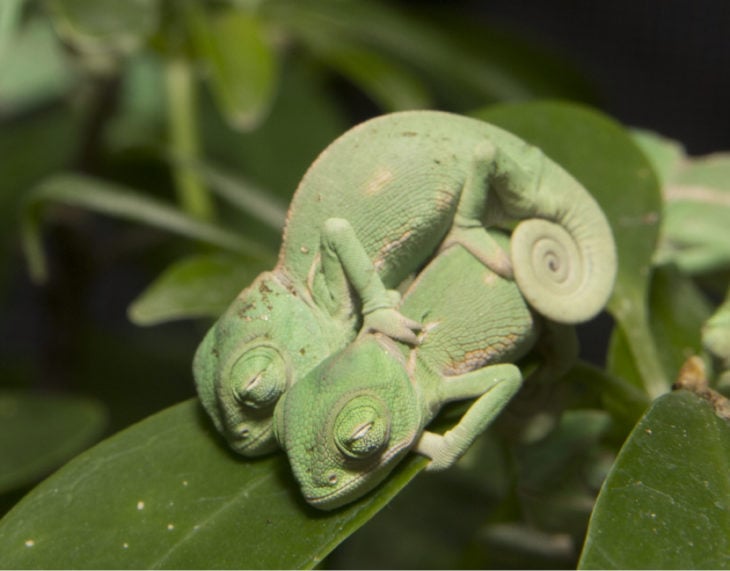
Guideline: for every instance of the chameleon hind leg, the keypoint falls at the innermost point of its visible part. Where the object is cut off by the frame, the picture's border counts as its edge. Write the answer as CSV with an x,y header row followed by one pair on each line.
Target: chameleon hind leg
x,y
495,385
346,266
468,227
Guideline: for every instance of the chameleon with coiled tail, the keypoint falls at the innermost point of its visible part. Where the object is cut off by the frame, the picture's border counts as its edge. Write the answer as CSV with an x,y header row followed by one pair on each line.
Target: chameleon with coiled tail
x,y
375,206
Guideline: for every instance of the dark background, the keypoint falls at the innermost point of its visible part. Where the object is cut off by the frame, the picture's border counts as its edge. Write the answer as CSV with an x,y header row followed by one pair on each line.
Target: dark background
x,y
658,64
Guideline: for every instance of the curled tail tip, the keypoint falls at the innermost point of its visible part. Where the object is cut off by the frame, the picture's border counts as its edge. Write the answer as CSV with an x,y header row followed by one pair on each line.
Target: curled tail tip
x,y
561,279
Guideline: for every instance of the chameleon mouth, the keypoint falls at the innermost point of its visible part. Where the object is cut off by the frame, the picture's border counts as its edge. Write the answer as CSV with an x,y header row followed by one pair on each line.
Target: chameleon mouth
x,y
258,441
340,496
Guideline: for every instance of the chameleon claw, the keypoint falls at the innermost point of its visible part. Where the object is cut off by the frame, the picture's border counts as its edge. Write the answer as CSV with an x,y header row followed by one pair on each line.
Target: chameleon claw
x,y
391,323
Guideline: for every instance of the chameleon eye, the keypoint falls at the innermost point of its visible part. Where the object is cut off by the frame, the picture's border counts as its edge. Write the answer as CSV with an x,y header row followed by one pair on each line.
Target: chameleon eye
x,y
259,377
362,427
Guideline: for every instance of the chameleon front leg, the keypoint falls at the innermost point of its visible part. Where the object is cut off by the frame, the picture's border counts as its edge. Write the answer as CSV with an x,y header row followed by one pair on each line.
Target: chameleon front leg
x,y
496,384
468,228
345,265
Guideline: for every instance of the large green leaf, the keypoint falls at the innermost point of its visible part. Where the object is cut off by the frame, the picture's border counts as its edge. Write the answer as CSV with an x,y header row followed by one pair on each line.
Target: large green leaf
x,y
605,159
165,494
114,200
201,286
666,502
233,46
39,433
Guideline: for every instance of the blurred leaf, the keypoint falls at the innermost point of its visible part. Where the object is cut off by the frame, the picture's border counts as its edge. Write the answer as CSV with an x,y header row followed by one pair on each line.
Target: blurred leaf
x,y
304,119
665,504
39,433
696,229
10,15
114,200
106,24
600,154
233,46
200,286
140,113
171,497
388,84
243,195
382,28
34,70
665,155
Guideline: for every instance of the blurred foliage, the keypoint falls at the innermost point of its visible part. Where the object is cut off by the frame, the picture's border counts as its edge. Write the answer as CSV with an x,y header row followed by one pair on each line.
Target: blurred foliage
x,y
148,150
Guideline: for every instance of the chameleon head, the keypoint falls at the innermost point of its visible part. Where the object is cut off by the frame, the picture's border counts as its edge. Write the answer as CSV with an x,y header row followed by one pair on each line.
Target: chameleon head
x,y
249,358
348,422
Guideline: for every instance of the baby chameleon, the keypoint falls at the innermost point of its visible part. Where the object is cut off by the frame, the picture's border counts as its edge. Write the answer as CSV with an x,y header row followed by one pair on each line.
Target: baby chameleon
x,y
372,209
348,422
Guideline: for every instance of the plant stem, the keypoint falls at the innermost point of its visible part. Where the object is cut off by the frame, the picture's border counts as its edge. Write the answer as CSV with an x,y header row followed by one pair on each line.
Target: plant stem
x,y
634,321
192,194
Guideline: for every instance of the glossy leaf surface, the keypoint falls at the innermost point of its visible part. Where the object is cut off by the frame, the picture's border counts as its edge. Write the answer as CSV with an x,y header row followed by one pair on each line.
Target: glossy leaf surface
x,y
666,502
201,286
166,493
39,433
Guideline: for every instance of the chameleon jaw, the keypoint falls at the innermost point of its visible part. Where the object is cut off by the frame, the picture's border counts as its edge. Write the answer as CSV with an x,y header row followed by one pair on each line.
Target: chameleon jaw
x,y
361,483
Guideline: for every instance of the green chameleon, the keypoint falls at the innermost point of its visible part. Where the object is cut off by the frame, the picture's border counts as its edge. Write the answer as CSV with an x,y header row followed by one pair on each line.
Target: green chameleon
x,y
349,421
375,206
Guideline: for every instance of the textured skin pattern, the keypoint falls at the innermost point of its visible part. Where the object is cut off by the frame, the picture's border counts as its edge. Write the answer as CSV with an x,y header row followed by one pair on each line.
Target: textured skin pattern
x,y
399,182
472,319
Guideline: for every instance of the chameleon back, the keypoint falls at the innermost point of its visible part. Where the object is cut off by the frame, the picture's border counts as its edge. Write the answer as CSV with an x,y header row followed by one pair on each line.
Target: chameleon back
x,y
471,316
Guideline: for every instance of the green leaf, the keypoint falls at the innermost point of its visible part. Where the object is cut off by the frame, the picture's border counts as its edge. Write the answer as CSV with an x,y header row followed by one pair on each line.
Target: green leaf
x,y
200,286
10,16
388,84
233,46
39,433
665,155
106,24
243,194
604,158
166,494
696,231
304,119
381,28
118,201
666,501
32,68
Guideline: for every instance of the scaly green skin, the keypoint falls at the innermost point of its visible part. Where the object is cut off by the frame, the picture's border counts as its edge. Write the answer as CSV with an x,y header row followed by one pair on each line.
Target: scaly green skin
x,y
372,209
349,421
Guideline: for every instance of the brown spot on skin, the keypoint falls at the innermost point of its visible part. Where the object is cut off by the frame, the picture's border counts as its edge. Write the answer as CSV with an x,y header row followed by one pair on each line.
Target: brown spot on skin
x,y
242,312
409,134
471,361
378,182
264,289
302,352
387,248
